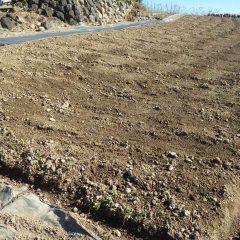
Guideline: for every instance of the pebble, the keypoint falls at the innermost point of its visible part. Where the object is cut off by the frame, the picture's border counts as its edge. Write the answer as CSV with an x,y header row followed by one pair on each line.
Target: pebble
x,y
66,105
217,160
186,213
128,190
52,120
203,85
117,233
155,201
41,29
214,199
172,155
75,209
170,168
188,160
114,188
227,165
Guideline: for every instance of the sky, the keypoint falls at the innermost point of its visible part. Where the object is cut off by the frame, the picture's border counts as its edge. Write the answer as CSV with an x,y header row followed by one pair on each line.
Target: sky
x,y
219,6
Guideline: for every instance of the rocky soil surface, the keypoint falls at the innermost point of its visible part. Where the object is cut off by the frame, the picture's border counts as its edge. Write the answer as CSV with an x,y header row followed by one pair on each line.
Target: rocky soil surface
x,y
22,22
140,128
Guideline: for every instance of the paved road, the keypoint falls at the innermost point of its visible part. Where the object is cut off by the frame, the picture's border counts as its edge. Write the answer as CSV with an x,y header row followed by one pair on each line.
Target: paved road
x,y
82,29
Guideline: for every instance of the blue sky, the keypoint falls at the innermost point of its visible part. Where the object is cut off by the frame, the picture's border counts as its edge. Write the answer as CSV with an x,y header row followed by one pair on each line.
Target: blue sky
x,y
223,6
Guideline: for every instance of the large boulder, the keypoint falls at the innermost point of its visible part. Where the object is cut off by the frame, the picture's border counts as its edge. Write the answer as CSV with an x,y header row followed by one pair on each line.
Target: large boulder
x,y
48,12
52,3
34,7
68,7
8,23
63,2
34,2
71,14
60,15
92,19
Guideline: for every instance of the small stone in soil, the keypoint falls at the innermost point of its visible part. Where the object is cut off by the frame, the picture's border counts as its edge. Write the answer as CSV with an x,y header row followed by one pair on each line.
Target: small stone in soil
x,y
128,190
172,155
117,233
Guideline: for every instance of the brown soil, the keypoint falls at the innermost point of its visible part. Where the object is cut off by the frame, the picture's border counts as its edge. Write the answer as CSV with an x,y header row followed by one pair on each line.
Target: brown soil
x,y
140,127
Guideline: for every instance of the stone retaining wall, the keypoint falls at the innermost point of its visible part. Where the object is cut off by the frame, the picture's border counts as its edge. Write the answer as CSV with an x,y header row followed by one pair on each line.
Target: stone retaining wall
x,y
224,15
88,11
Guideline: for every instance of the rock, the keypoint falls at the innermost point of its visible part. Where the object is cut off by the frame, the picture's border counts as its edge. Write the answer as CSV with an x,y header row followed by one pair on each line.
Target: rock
x,y
60,15
63,2
59,8
20,19
92,19
216,161
128,190
52,3
203,86
155,201
205,199
65,105
75,209
68,7
71,14
188,160
44,6
117,233
172,155
40,11
227,165
8,23
34,7
46,25
192,197
186,213
18,6
214,199
48,164
32,26
28,19
181,133
38,24
34,2
170,168
48,11
42,29
114,188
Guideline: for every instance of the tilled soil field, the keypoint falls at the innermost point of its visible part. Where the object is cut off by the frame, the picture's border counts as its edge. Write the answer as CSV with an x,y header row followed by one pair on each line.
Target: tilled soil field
x,y
139,127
